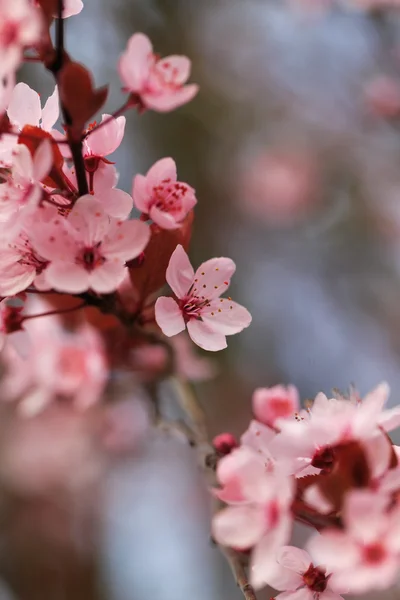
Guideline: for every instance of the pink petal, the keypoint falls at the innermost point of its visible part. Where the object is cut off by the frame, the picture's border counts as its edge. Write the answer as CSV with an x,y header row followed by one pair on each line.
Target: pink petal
x,y
276,402
181,65
215,274
125,240
170,100
179,274
51,111
225,316
162,219
67,277
238,526
54,240
204,337
302,594
169,316
42,160
24,107
89,219
116,203
165,168
379,453
140,193
22,163
294,558
107,277
333,549
390,419
363,514
106,139
105,178
263,560
134,63
71,8
15,278
285,579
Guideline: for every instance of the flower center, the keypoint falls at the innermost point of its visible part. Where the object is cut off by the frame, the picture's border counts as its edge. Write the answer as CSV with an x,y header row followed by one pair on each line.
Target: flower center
x,y
191,306
315,579
168,196
374,553
324,459
90,257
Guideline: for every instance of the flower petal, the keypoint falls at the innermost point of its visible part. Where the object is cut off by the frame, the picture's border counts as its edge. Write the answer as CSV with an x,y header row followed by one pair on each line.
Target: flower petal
x,y
134,63
225,316
238,526
165,168
170,100
24,107
214,276
116,203
67,277
125,240
51,111
169,316
107,277
106,139
204,337
162,219
179,274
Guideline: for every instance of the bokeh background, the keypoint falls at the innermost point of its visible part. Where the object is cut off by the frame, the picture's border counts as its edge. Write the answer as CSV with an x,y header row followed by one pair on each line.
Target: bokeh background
x,y
293,146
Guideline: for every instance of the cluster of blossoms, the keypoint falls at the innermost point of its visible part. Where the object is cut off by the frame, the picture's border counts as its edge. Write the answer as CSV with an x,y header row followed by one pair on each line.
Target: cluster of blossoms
x,y
67,235
332,467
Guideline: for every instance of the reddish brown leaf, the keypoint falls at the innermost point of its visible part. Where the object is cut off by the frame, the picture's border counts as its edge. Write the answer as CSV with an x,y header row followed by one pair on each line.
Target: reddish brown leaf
x,y
148,272
32,137
80,99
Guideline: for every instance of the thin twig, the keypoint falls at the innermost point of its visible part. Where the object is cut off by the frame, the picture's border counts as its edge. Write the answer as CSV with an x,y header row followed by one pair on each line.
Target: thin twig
x,y
198,424
239,573
51,313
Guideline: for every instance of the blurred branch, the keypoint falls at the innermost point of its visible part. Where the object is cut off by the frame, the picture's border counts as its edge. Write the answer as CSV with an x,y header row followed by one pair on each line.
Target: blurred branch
x,y
198,425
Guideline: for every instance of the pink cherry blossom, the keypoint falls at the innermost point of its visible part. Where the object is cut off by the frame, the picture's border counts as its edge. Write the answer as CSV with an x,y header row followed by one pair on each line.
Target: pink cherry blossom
x,y
270,404
309,441
25,109
19,265
261,520
365,554
159,194
89,249
208,317
299,579
68,365
22,191
158,84
20,27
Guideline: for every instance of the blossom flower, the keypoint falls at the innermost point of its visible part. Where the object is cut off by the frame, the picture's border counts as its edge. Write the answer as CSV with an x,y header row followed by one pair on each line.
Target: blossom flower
x,y
20,264
24,108
20,27
88,250
158,84
64,364
159,194
365,554
21,193
309,441
270,404
261,519
208,317
300,579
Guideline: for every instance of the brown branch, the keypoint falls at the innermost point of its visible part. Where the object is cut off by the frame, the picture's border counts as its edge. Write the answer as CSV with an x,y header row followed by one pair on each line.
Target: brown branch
x,y
239,573
75,144
198,425
51,313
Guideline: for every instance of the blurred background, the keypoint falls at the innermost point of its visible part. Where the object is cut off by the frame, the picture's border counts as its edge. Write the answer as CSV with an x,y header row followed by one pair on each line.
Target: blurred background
x,y
293,147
